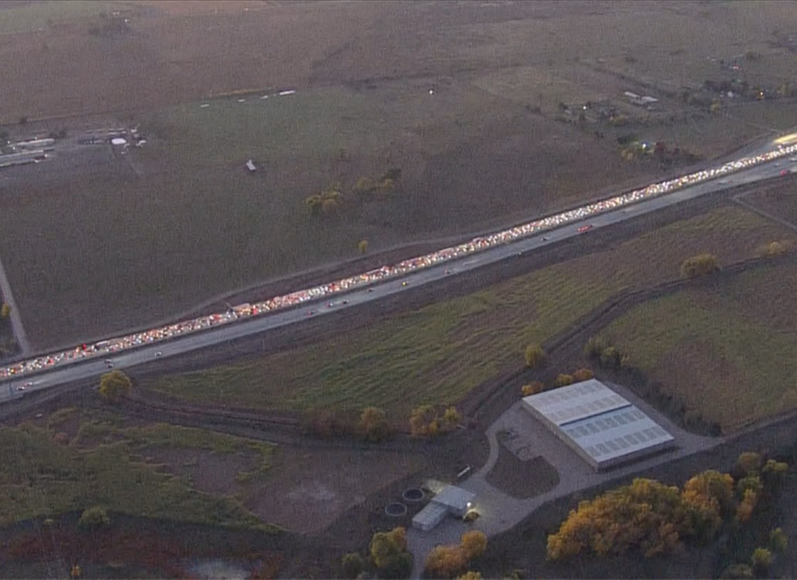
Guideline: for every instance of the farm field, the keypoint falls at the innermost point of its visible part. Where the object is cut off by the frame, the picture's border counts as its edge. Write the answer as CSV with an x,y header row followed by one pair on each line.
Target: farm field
x,y
779,203
440,353
727,349
74,460
91,254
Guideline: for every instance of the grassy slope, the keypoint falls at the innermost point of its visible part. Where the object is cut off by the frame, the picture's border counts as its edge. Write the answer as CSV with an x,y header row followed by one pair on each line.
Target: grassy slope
x,y
100,466
441,352
728,352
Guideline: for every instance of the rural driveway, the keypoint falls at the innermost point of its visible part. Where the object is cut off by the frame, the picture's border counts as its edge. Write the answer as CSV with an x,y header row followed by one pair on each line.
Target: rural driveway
x,y
500,511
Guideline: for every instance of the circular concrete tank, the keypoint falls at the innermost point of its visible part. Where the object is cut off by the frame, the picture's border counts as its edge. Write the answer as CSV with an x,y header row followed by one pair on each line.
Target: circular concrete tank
x,y
396,509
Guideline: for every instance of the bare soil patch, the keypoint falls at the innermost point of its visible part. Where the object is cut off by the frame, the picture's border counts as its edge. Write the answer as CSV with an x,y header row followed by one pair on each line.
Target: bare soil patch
x,y
522,479
307,490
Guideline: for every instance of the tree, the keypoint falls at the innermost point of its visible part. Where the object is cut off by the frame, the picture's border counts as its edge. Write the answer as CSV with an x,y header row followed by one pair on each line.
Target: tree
x,y
737,572
761,561
450,419
470,575
445,562
778,541
389,553
745,509
364,186
473,544
611,358
352,565
711,487
421,419
583,375
363,246
700,265
772,249
115,385
5,310
94,517
748,463
535,356
595,346
563,380
532,388
373,423
772,475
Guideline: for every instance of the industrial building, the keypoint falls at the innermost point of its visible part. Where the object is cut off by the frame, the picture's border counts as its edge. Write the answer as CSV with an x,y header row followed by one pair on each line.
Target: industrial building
x,y
604,428
448,500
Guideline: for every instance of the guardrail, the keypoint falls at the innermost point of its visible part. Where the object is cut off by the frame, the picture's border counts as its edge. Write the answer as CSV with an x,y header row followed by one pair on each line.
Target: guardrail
x,y
298,298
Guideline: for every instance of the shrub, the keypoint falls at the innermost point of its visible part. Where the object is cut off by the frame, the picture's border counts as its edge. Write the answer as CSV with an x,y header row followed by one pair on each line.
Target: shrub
x,y
535,356
749,463
761,561
583,375
595,346
373,423
450,419
94,517
363,246
473,544
5,310
611,358
115,385
563,380
352,565
778,541
532,388
737,572
772,249
700,265
445,562
421,419
470,575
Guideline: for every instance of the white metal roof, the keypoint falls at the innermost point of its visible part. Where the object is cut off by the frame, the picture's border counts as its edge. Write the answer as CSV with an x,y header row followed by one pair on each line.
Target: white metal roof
x,y
453,496
577,401
429,516
598,423
616,433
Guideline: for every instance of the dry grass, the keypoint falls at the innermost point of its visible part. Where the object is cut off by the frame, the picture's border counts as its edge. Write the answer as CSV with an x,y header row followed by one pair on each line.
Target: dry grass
x,y
441,352
727,352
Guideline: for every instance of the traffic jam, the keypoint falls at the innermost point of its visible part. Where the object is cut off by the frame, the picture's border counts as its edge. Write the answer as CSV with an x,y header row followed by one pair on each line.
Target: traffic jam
x,y
246,311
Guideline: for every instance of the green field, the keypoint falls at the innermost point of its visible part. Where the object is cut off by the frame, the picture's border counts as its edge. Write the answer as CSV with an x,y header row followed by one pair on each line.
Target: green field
x,y
440,353
728,352
77,461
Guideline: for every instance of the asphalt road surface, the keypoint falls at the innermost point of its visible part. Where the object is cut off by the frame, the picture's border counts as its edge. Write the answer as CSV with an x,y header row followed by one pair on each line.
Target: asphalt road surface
x,y
177,346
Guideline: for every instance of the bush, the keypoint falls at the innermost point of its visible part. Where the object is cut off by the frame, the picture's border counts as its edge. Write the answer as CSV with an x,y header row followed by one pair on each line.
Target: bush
x,y
373,423
761,561
473,544
772,249
737,572
563,380
5,310
94,517
352,565
778,541
445,562
363,246
535,356
700,265
470,575
611,358
450,419
595,346
533,388
421,420
583,375
115,385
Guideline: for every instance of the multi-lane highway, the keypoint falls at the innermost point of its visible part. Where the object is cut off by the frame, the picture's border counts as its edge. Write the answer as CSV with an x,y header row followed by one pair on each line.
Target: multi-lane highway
x,y
90,368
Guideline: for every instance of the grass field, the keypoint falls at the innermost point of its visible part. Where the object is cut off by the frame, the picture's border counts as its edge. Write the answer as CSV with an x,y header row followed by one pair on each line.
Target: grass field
x,y
78,460
441,352
729,352
122,252
26,17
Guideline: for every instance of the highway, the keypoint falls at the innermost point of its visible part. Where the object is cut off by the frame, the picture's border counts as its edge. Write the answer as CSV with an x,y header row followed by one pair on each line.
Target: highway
x,y
16,388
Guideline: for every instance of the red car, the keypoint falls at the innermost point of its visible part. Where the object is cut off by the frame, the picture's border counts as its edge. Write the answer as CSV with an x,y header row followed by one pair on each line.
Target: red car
x,y
784,172
585,228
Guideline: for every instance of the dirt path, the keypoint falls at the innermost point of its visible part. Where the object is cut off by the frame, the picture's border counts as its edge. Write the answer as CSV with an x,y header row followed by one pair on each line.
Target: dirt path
x,y
16,319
